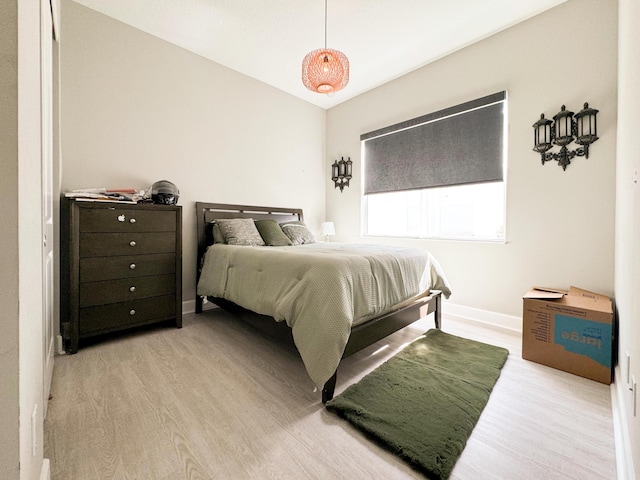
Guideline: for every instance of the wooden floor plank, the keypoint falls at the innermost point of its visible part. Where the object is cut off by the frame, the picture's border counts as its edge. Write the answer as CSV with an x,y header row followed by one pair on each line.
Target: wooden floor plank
x,y
216,400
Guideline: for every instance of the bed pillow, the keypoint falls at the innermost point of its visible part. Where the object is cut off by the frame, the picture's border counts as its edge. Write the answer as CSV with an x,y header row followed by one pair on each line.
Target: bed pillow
x,y
240,231
218,237
298,233
272,233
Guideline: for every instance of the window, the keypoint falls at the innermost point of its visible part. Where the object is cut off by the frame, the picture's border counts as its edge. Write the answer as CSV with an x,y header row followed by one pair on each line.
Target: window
x,y
470,212
439,175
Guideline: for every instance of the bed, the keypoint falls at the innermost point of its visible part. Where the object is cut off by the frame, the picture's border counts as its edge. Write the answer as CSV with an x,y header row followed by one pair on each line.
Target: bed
x,y
304,294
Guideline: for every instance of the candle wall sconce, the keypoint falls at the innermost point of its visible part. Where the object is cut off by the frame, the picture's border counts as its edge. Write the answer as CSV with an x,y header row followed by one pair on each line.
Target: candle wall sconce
x,y
341,173
562,130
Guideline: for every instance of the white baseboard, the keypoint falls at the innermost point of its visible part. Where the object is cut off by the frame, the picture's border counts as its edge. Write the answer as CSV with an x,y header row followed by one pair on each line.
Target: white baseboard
x,y
189,306
624,456
499,320
59,345
45,472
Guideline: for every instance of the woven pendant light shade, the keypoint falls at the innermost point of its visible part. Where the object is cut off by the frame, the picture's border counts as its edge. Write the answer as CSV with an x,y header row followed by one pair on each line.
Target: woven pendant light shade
x,y
325,70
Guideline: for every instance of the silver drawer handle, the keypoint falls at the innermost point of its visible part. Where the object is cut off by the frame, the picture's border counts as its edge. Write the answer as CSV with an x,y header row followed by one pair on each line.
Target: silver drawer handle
x,y
132,289
132,220
132,266
132,243
132,312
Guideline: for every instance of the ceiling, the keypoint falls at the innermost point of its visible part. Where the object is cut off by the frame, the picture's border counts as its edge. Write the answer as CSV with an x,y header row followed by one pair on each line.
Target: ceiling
x,y
267,39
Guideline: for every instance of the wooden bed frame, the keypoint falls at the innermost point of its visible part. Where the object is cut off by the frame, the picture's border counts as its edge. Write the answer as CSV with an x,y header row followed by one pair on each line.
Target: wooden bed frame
x,y
361,336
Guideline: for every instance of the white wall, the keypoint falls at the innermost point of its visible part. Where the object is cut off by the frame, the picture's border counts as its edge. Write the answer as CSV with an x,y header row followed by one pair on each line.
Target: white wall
x,y
627,259
136,109
560,224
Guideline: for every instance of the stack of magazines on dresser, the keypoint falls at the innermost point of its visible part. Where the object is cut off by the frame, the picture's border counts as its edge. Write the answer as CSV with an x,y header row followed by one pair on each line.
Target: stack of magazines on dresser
x,y
118,195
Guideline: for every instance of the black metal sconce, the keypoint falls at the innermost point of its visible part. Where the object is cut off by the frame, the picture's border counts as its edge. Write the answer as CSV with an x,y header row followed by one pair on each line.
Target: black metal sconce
x,y
564,129
341,173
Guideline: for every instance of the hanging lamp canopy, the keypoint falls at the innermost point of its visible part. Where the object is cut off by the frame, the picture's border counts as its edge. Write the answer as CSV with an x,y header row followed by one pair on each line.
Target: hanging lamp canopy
x,y
325,70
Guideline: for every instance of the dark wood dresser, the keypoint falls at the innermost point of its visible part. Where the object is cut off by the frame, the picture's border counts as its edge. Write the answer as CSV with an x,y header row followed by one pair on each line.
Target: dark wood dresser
x,y
121,267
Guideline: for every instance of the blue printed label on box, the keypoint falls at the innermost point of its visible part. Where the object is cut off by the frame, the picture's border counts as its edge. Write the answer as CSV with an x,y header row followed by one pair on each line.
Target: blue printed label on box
x,y
584,337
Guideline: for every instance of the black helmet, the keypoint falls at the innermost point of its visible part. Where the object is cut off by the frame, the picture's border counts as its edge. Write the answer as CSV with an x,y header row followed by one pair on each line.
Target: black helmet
x,y
164,192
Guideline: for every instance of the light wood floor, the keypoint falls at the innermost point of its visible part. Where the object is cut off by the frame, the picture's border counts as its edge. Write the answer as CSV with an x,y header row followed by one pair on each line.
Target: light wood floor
x,y
215,400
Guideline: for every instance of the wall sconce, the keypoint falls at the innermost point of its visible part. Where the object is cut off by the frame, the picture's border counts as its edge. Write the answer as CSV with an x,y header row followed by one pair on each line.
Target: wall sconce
x,y
328,229
341,173
564,129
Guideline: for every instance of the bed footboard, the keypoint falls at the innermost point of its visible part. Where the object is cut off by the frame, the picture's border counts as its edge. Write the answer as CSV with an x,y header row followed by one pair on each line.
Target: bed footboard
x,y
361,336
370,332
329,388
199,302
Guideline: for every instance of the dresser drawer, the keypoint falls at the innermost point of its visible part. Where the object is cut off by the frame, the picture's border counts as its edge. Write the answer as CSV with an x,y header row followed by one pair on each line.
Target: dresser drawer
x,y
107,244
122,290
114,316
94,269
119,219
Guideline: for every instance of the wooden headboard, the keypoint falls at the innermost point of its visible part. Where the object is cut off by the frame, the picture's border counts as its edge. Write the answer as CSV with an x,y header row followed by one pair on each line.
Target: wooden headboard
x,y
208,212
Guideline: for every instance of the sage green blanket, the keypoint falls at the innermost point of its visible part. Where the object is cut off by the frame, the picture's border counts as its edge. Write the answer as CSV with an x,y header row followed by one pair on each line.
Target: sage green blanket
x,y
319,289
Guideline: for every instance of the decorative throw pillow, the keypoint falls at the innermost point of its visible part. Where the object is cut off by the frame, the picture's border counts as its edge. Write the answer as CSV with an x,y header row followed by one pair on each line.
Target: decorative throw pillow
x,y
218,237
298,233
272,234
240,231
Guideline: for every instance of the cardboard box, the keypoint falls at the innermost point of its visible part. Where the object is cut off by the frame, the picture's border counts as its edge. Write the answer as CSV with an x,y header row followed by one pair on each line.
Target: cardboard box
x,y
570,331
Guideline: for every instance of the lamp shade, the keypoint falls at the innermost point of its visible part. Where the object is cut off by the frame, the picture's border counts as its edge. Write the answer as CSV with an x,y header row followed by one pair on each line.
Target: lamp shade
x,y
328,228
563,122
325,70
542,134
587,130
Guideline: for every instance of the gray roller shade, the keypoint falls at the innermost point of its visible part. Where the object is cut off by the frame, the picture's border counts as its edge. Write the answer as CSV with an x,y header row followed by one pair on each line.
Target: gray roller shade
x,y
455,146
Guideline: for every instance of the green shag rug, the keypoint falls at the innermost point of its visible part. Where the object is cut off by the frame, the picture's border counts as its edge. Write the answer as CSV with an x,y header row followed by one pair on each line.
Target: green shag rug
x,y
423,403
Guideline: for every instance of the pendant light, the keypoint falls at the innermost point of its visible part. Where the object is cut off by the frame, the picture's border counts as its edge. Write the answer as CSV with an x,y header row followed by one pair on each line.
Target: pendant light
x,y
325,70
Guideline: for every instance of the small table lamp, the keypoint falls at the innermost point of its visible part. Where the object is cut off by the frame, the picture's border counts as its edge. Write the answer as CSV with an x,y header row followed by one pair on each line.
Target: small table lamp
x,y
328,229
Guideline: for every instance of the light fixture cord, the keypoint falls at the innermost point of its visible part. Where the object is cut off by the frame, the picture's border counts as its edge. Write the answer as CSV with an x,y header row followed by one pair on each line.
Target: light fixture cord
x,y
325,24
